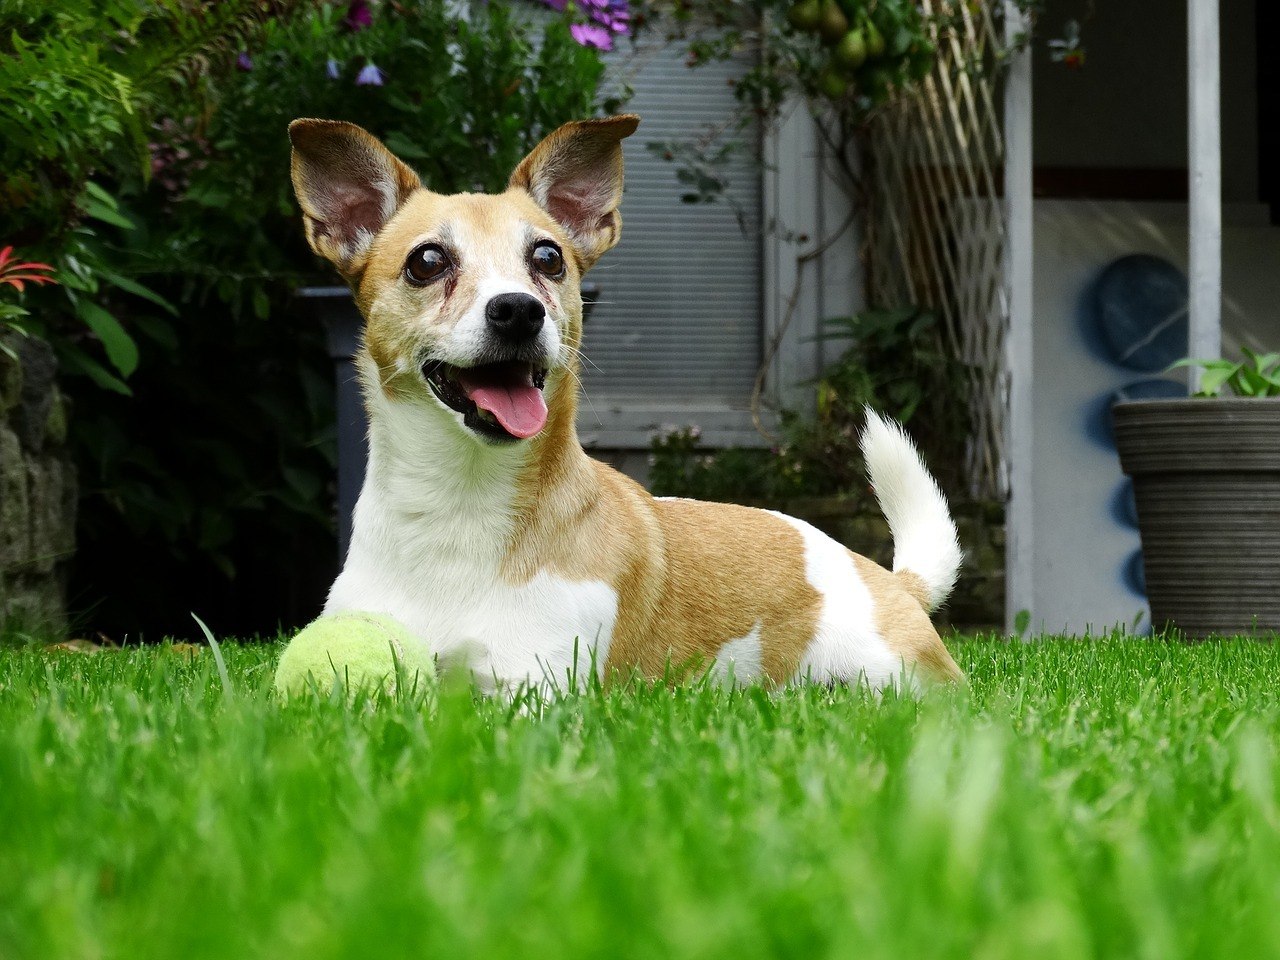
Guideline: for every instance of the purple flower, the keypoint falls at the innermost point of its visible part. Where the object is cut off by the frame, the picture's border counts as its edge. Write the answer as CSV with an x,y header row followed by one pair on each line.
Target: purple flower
x,y
603,17
369,76
591,35
332,68
243,62
359,16
614,14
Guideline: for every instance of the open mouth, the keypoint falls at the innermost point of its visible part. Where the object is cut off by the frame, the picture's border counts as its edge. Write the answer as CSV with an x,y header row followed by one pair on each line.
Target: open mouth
x,y
501,401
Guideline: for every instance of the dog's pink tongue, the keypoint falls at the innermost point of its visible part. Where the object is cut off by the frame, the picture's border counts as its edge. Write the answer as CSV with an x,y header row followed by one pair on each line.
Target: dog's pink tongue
x,y
507,392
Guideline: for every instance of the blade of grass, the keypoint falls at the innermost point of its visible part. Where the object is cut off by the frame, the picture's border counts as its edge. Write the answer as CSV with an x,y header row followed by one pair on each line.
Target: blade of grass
x,y
227,690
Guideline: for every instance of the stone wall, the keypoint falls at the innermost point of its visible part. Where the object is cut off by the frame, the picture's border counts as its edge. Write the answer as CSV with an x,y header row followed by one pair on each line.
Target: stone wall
x,y
977,604
37,489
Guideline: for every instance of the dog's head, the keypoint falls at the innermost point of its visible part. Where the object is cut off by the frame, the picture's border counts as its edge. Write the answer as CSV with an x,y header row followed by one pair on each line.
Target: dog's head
x,y
472,302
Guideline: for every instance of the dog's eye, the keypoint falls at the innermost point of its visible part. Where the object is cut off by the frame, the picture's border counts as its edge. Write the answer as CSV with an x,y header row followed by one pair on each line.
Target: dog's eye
x,y
547,259
426,264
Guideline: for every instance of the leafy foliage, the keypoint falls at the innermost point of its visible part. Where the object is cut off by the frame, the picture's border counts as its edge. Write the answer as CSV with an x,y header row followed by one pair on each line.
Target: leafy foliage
x,y
83,80
16,274
895,364
459,98
1257,375
845,58
679,466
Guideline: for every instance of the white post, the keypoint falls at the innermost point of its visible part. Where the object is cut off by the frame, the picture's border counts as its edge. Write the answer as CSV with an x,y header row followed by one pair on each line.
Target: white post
x,y
1205,187
1019,581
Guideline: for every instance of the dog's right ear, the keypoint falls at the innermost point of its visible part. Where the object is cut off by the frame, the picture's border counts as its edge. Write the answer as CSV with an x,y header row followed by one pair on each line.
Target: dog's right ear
x,y
348,185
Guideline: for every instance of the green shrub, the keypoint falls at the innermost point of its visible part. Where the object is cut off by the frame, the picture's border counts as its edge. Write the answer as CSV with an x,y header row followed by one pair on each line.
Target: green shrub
x,y
83,81
895,363
461,99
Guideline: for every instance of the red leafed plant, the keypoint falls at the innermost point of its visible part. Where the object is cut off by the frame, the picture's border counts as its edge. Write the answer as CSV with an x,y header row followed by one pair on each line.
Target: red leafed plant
x,y
16,273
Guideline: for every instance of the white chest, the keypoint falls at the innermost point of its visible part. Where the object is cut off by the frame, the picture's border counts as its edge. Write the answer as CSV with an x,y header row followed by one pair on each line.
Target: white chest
x,y
430,532
549,631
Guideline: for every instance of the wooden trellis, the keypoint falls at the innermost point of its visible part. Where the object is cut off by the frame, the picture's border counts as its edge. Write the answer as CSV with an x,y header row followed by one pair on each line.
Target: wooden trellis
x,y
936,226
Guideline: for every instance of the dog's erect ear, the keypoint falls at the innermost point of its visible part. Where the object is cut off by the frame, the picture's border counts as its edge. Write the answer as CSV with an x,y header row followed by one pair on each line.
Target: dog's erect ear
x,y
575,174
348,185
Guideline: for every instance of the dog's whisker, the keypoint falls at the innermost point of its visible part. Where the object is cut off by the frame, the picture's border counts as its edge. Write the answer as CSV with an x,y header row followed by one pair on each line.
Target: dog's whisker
x,y
585,396
578,352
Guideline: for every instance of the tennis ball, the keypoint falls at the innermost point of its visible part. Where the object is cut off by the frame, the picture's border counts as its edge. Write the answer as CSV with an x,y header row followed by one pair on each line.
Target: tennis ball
x,y
360,649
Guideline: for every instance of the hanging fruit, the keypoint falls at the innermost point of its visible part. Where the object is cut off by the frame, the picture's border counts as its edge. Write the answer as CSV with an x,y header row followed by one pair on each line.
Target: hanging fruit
x,y
833,84
806,15
851,52
834,23
875,39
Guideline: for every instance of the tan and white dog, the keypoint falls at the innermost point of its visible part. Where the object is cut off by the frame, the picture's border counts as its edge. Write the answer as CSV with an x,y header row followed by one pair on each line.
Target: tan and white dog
x,y
485,528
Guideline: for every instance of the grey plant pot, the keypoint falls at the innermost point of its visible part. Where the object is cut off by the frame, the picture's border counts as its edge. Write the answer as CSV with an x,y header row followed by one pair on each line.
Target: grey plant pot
x,y
1206,474
334,307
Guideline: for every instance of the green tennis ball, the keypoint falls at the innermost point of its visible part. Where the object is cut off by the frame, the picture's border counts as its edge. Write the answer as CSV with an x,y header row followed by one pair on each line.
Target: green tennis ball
x,y
360,649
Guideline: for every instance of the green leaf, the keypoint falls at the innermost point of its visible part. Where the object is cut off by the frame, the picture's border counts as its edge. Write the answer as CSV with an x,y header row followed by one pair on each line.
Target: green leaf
x,y
121,350
402,146
137,289
1250,383
1266,361
78,362
160,331
1021,620
1215,374
261,303
97,210
100,195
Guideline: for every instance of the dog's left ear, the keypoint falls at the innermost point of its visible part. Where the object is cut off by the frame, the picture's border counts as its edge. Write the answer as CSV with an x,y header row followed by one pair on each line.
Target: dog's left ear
x,y
575,174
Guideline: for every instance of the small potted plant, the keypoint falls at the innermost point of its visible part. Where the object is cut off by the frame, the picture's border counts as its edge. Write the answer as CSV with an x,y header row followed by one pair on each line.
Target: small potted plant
x,y
1206,476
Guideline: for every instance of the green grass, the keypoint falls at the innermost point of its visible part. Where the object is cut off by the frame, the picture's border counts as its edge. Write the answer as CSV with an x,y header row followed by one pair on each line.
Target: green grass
x,y
1105,798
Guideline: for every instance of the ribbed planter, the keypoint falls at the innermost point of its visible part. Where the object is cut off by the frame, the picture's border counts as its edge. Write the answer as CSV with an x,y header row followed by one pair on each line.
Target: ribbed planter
x,y
1206,474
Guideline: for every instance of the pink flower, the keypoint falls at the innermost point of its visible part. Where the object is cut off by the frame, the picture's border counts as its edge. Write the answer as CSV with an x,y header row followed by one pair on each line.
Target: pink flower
x,y
590,35
370,76
15,273
359,16
613,14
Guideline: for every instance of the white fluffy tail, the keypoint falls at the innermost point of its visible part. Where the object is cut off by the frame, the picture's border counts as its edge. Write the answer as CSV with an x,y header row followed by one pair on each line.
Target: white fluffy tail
x,y
924,535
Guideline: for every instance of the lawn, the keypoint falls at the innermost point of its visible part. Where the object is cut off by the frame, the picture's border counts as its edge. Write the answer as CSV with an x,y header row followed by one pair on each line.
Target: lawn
x,y
1080,799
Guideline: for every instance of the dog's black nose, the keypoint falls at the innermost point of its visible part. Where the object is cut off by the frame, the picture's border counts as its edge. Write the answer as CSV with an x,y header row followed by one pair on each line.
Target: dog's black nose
x,y
515,316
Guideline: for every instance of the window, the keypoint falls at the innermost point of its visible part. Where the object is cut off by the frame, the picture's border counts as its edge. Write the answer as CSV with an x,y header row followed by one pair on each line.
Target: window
x,y
676,337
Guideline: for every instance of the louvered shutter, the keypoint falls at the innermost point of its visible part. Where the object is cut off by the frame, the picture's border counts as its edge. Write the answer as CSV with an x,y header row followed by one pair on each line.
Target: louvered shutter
x,y
679,319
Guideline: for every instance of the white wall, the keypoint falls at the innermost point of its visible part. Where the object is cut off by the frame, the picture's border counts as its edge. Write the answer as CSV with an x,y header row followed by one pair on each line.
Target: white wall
x,y
1079,549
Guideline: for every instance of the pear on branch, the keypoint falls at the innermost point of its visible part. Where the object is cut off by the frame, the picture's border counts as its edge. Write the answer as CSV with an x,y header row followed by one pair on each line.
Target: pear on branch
x,y
806,15
851,51
834,23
